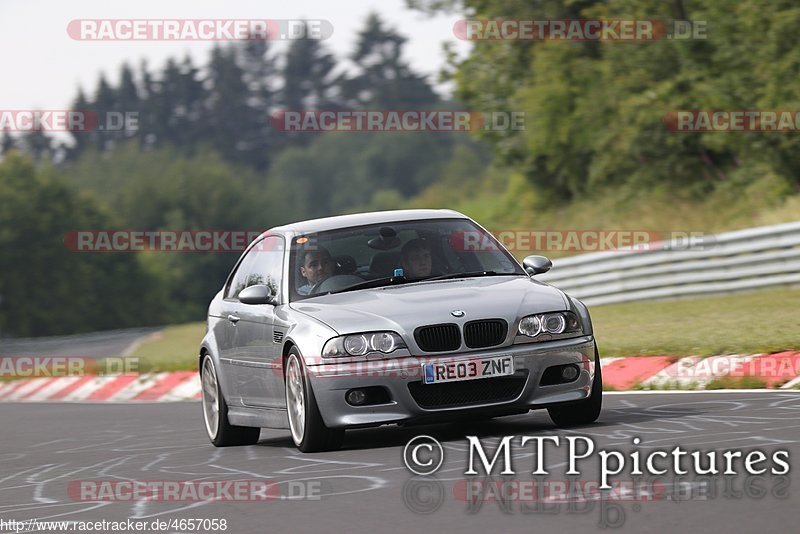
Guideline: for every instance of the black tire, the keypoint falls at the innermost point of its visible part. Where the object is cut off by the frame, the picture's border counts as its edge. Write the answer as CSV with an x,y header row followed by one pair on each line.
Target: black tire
x,y
584,412
225,434
316,436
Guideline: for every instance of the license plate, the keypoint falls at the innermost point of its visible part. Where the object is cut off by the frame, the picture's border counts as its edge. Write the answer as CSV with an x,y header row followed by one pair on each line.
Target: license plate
x,y
436,373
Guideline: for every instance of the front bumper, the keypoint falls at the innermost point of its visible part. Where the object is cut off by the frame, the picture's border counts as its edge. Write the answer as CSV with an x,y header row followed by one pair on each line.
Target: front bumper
x,y
331,381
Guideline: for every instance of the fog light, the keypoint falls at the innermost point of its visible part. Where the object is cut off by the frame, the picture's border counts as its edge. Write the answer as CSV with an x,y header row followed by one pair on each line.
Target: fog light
x,y
356,397
569,373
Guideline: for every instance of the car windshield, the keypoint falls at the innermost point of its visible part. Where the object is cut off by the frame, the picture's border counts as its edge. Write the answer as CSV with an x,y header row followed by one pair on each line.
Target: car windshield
x,y
384,254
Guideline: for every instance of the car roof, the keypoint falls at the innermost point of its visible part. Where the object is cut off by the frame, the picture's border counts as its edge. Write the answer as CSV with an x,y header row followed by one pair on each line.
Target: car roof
x,y
363,219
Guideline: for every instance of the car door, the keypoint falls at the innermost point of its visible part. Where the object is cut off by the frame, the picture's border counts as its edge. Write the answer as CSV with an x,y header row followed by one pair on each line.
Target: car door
x,y
226,329
256,355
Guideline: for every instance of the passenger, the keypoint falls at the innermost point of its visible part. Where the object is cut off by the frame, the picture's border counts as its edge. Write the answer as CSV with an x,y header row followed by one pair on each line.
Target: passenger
x,y
416,259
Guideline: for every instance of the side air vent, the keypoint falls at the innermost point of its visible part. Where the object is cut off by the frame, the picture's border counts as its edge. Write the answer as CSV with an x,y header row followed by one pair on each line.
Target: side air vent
x,y
277,336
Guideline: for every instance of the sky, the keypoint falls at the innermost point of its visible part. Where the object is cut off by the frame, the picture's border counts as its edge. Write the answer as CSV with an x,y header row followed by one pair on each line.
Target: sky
x,y
42,66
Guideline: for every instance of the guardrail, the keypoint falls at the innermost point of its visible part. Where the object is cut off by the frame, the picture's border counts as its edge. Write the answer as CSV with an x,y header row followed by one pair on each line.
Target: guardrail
x,y
722,263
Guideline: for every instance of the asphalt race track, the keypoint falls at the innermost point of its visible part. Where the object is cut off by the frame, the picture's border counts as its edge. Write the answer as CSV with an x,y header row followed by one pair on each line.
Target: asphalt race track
x,y
94,345
366,487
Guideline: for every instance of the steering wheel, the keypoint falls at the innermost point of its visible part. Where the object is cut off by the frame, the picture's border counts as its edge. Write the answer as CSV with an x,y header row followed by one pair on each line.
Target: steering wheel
x,y
313,290
334,283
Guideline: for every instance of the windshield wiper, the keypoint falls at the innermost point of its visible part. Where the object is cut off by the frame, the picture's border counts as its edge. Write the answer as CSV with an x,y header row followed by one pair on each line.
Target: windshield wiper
x,y
396,280
378,282
468,274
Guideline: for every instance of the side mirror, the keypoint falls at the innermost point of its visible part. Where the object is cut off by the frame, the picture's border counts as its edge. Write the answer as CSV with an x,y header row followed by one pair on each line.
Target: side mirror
x,y
257,294
536,265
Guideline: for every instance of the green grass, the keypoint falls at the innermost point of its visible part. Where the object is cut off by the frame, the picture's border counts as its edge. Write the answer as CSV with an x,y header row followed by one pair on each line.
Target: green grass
x,y
742,323
173,349
726,382
510,203
671,385
730,382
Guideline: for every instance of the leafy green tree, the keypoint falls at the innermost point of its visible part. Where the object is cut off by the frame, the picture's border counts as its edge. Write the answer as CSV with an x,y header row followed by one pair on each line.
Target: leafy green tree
x,y
356,166
45,287
595,111
161,189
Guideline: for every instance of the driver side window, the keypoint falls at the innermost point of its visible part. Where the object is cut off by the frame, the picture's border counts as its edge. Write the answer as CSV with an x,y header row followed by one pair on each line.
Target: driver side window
x,y
239,280
262,265
267,266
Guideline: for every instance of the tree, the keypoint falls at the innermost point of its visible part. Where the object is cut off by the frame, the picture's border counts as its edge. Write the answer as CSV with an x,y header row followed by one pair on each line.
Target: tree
x,y
309,83
105,101
7,143
234,128
163,189
595,111
343,172
80,140
48,289
261,78
127,99
38,144
308,76
384,80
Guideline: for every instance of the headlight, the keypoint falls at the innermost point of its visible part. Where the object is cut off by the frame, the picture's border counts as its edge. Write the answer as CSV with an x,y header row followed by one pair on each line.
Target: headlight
x,y
554,323
361,344
384,342
549,323
356,345
530,326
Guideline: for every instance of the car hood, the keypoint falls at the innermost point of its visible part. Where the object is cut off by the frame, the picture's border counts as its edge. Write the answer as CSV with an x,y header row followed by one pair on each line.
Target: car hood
x,y
402,308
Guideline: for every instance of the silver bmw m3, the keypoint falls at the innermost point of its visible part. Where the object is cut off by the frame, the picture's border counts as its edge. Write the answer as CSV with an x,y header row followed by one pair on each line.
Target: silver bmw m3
x,y
395,317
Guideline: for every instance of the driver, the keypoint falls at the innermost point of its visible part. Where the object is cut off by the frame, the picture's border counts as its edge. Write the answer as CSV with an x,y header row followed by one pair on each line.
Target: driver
x,y
316,266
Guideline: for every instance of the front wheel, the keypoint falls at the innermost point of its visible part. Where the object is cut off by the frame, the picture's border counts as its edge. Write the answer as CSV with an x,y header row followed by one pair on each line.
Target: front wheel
x,y
309,432
586,411
215,412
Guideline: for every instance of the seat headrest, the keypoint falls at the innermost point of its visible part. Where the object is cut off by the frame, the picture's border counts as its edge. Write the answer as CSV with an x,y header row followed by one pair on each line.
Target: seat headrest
x,y
384,263
345,264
